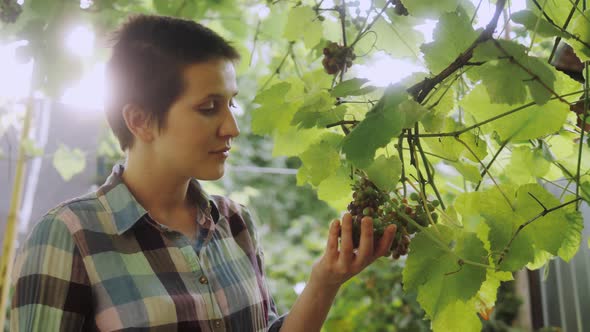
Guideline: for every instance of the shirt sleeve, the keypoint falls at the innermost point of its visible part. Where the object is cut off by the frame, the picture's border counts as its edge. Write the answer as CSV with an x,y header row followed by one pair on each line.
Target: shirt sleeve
x,y
275,321
51,287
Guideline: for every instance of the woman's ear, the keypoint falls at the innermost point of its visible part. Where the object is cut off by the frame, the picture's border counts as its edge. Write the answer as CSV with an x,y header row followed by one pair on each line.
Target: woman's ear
x,y
138,122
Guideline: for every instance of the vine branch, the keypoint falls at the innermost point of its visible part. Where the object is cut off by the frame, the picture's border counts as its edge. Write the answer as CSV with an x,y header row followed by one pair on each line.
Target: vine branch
x,y
420,90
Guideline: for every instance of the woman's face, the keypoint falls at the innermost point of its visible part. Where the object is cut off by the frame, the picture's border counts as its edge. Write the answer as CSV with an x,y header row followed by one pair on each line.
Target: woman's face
x,y
200,125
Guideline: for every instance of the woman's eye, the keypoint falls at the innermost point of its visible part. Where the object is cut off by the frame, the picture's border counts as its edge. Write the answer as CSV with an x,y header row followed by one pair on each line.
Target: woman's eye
x,y
208,106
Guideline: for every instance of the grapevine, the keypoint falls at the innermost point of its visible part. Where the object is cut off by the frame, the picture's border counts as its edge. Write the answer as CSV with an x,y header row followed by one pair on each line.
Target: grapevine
x,y
386,209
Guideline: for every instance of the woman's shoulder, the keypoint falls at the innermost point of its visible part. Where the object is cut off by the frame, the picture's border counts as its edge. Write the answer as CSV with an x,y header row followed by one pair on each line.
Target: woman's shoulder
x,y
72,216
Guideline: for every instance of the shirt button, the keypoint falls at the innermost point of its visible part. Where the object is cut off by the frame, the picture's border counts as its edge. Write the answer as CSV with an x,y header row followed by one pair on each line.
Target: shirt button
x,y
204,281
217,323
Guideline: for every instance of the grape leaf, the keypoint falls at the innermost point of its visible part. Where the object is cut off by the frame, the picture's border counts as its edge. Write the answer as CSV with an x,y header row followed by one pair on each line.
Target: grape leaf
x,y
585,192
452,36
519,171
469,172
336,189
457,316
546,233
68,162
322,158
514,69
274,112
581,28
501,84
534,22
557,10
399,38
573,236
385,172
294,141
428,8
531,122
352,87
412,112
436,274
315,107
303,23
381,124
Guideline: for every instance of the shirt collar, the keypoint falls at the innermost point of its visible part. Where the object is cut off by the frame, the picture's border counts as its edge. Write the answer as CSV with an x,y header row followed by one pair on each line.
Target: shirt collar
x,y
126,210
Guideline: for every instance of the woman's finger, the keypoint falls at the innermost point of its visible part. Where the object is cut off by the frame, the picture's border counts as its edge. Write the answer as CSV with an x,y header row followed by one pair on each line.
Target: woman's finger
x,y
386,241
365,252
346,254
332,245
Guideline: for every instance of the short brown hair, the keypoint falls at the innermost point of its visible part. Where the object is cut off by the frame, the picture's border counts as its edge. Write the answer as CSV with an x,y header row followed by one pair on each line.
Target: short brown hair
x,y
146,67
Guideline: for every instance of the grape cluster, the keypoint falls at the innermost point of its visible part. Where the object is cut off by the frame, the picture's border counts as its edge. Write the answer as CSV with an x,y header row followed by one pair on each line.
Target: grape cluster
x,y
337,58
368,200
399,8
9,11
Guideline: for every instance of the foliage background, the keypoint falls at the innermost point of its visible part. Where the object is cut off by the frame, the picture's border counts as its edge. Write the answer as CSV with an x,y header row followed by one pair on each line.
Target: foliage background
x,y
281,66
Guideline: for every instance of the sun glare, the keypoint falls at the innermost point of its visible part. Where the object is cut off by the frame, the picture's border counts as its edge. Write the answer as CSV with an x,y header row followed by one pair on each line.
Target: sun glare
x,y
80,41
88,94
15,80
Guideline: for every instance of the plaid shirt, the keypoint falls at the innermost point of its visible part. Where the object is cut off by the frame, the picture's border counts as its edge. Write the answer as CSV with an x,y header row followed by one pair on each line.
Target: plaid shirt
x,y
99,262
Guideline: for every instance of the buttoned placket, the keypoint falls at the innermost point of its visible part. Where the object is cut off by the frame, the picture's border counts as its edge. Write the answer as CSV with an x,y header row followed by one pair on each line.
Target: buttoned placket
x,y
201,279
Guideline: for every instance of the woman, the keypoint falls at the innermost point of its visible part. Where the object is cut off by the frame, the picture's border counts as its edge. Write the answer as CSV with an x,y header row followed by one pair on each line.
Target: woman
x,y
150,250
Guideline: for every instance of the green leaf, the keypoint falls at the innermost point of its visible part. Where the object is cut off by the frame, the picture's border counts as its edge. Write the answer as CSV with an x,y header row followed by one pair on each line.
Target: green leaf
x,y
535,23
457,316
385,172
322,158
315,107
380,125
168,8
274,112
294,141
30,148
68,162
303,23
547,233
452,36
510,69
437,275
336,189
398,38
528,123
581,28
573,236
501,84
428,8
585,192
520,171
412,112
352,87
557,10
469,172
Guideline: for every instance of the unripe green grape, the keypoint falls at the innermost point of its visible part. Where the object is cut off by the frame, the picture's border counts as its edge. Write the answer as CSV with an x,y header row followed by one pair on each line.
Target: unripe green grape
x,y
414,196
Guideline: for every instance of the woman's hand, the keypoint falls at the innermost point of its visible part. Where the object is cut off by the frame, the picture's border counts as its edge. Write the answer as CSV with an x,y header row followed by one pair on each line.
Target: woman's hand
x,y
340,263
